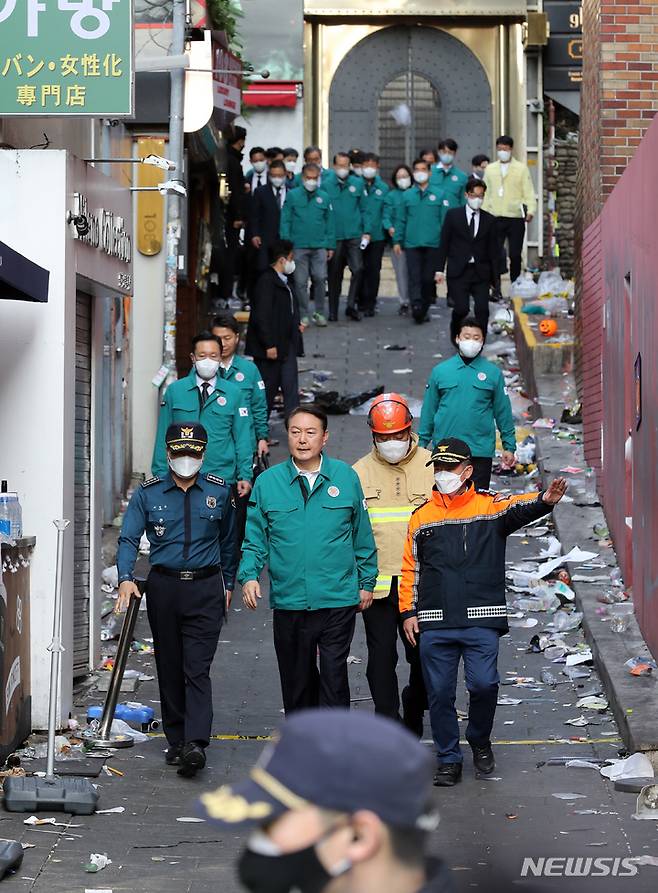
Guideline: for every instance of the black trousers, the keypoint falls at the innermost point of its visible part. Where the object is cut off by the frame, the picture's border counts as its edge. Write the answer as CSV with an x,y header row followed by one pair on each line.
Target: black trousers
x,y
280,374
186,618
461,289
422,265
381,624
298,637
347,254
372,271
414,694
231,262
512,231
481,472
241,505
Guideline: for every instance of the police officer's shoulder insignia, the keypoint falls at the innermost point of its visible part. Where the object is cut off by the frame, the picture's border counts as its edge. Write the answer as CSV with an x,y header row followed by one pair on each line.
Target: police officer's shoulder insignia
x,y
221,401
244,411
333,492
153,480
239,376
211,502
482,376
215,480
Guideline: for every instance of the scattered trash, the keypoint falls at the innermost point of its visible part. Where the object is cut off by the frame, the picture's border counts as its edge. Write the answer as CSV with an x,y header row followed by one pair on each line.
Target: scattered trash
x,y
524,623
620,616
638,764
570,796
334,403
580,657
578,721
402,371
644,860
577,673
115,809
548,677
592,703
110,576
354,660
189,820
647,803
581,764
544,423
97,862
565,623
509,702
641,666
33,820
395,347
119,727
575,556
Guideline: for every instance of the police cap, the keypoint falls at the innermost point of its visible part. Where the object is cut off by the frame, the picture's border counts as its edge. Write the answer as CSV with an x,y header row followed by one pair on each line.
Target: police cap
x,y
451,451
338,760
186,438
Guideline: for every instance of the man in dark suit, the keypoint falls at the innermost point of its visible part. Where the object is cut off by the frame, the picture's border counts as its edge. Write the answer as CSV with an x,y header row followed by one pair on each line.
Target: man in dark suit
x,y
265,216
274,337
235,212
469,245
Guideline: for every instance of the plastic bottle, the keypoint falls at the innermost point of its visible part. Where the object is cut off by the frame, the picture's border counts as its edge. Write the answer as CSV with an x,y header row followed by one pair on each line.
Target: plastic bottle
x,y
5,516
11,514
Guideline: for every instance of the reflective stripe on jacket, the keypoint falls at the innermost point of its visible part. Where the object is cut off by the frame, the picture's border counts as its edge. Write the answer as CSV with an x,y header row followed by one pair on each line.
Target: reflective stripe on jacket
x,y
392,493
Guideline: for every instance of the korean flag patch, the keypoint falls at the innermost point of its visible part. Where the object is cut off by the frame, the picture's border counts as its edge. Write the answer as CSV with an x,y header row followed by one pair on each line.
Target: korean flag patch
x,y
261,385
244,411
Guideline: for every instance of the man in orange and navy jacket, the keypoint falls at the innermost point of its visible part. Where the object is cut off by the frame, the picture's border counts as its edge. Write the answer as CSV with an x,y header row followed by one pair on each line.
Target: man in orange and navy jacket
x,y
452,597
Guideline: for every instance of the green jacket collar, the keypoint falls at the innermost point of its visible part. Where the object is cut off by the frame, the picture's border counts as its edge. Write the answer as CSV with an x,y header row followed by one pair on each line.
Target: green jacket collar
x,y
325,469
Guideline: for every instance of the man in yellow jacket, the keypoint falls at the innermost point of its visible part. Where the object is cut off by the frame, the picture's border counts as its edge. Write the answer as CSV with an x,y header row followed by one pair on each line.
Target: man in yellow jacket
x,y
395,481
510,197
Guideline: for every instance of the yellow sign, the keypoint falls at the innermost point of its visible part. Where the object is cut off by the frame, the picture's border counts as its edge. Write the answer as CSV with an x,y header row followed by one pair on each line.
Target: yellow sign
x,y
150,205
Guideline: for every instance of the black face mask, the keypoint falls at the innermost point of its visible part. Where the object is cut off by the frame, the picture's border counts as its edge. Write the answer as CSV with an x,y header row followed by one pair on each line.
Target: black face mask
x,y
301,871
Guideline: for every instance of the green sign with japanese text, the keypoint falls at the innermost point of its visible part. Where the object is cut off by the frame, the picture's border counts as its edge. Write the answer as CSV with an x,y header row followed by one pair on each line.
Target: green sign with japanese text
x,y
66,57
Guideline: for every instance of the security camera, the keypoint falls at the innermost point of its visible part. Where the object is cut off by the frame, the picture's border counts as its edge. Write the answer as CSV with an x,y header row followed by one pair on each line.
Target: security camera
x,y
158,161
80,223
172,186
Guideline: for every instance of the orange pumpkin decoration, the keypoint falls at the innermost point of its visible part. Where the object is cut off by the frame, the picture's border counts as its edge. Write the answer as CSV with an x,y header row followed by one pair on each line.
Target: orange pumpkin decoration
x,y
548,327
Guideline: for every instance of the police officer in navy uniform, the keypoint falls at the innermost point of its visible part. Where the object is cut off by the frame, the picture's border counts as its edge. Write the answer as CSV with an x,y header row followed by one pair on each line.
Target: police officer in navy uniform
x,y
188,518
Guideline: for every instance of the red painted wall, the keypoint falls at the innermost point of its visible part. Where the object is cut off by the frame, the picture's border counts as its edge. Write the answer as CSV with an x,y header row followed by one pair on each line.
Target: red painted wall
x,y
619,320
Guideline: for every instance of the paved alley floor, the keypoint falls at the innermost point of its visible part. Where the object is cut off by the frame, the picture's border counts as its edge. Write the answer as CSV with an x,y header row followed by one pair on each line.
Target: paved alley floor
x,y
487,827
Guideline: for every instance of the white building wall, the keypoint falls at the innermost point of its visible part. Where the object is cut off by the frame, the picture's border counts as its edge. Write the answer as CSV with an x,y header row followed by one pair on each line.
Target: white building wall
x,y
274,127
37,375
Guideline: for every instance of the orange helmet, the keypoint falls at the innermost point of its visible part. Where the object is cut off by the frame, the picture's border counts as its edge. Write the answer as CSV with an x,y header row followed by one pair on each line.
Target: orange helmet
x,y
389,414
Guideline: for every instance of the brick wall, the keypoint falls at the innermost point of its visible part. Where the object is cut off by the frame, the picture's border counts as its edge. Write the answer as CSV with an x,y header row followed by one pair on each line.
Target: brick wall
x,y
618,95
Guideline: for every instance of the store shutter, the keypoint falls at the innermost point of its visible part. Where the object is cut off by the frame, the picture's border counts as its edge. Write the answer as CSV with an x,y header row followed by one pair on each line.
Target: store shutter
x,y
82,485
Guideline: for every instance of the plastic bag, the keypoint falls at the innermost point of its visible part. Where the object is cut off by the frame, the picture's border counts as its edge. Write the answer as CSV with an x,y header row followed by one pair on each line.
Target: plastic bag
x,y
524,287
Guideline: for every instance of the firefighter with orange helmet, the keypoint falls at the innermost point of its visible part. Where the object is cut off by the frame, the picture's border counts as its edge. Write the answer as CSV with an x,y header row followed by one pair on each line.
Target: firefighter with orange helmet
x,y
395,481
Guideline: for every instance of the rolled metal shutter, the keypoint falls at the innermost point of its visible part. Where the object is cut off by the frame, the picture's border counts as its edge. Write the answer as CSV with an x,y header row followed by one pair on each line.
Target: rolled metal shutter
x,y
82,485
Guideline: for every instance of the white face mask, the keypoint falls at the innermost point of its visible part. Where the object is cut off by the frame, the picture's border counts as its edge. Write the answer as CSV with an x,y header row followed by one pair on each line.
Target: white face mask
x,y
206,369
358,171
421,176
403,182
289,268
474,203
469,348
277,182
446,158
504,155
392,450
370,173
185,466
447,482
310,185
342,173
291,166
259,166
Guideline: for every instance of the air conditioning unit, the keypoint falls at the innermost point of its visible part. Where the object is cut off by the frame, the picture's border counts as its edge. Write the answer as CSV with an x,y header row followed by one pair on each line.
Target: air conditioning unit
x,y
536,29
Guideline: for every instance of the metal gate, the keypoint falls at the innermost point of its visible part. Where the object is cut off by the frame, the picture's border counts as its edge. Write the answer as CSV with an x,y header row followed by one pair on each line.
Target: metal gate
x,y
397,142
436,75
82,485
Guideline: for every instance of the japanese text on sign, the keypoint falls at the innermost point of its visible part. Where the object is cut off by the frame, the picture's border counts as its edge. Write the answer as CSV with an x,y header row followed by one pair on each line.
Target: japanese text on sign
x,y
66,57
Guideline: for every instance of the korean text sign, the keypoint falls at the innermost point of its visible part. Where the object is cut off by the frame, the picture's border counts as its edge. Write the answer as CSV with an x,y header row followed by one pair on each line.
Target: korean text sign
x,y
66,57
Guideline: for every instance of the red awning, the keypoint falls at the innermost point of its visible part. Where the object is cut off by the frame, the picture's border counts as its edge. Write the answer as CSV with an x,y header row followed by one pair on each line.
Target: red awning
x,y
279,94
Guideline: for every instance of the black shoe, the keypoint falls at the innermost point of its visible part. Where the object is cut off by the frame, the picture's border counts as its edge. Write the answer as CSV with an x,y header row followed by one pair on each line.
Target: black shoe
x,y
418,312
404,310
332,317
447,775
192,759
495,296
353,313
172,754
450,301
483,758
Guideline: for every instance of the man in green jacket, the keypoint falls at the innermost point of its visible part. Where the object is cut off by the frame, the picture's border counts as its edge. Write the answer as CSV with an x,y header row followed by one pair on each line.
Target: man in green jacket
x,y
307,220
347,199
308,521
375,197
420,218
203,396
446,176
466,398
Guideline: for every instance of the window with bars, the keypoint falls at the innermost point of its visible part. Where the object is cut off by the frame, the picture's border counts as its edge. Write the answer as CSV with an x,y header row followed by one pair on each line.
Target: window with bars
x,y
398,143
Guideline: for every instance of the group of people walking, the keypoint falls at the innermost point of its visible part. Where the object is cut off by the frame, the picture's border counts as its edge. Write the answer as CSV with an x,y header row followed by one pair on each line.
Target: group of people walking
x,y
431,214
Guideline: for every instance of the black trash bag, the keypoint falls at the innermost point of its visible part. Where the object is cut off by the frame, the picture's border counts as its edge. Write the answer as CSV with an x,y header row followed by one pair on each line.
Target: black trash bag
x,y
334,403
